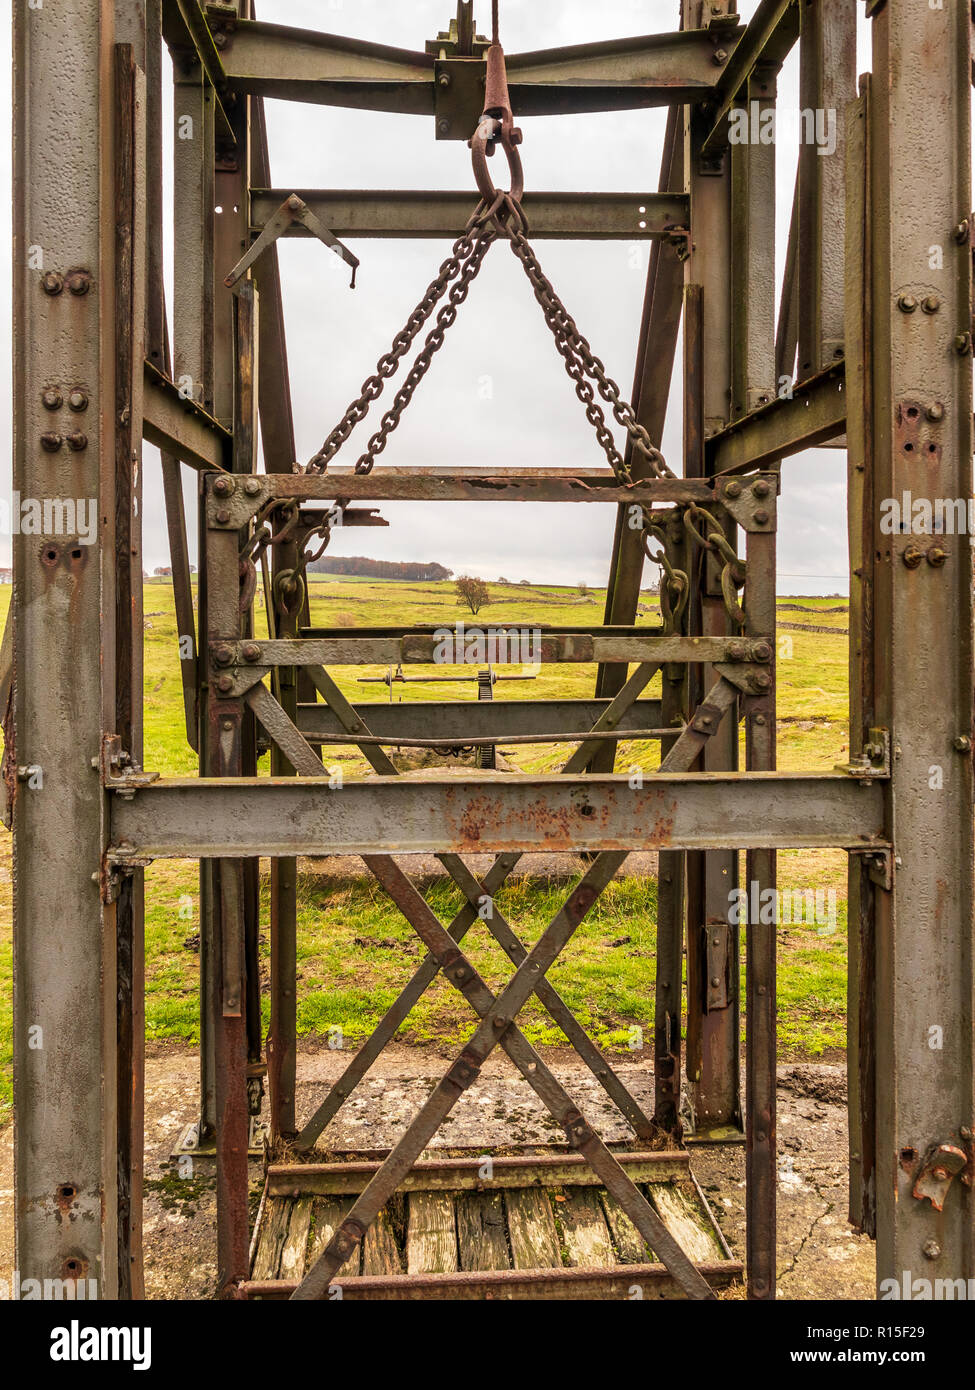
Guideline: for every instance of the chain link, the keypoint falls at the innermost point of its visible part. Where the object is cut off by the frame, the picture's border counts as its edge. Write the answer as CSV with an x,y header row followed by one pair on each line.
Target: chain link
x,y
387,366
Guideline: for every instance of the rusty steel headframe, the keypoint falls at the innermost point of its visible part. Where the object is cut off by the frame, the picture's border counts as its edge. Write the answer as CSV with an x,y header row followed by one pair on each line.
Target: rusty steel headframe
x,y
871,349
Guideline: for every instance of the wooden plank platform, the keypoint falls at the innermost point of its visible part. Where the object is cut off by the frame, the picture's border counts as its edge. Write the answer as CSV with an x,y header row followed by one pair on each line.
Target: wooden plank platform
x,y
553,1239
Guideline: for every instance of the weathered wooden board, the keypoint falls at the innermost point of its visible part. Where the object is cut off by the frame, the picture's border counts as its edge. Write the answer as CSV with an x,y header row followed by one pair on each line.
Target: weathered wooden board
x,y
380,1249
681,1213
631,1248
295,1247
481,1239
531,1230
585,1234
327,1215
267,1257
431,1233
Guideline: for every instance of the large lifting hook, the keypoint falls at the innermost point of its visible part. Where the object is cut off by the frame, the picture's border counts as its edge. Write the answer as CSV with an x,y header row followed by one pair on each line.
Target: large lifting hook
x,y
497,127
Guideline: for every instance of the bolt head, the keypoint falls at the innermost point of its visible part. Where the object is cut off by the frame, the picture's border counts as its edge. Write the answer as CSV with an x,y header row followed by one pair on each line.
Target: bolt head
x,y
443,126
761,652
52,282
963,344
961,232
51,442
936,411
223,516
443,80
223,656
732,489
931,1250
78,282
220,39
961,744
52,399
78,400
937,556
77,441
761,488
763,680
223,486
252,487
907,303
931,304
720,56
225,684
251,651
912,556
294,203
761,516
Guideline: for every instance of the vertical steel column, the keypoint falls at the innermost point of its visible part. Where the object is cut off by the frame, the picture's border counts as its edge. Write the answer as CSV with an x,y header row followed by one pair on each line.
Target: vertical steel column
x,y
193,217
226,752
827,82
920,197
130,323
862,907
71,1156
713,1083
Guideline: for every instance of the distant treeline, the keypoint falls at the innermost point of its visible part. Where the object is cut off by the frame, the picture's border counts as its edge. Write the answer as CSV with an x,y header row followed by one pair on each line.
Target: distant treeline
x,y
379,569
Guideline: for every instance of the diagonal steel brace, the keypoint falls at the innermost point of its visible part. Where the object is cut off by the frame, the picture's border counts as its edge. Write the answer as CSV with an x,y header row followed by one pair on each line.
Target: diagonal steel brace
x,y
293,210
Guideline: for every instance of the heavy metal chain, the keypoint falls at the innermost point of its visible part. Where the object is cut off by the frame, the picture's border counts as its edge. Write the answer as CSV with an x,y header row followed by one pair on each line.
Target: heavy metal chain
x,y
675,586
580,362
434,342
733,571
387,366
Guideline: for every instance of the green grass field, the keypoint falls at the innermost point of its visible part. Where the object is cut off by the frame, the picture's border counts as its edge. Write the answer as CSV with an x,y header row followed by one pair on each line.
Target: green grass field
x,y
355,953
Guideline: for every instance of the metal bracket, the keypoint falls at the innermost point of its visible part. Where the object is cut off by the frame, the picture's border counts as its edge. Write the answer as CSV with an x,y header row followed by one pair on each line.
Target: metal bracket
x,y
874,762
880,866
293,211
751,502
717,956
118,772
942,1163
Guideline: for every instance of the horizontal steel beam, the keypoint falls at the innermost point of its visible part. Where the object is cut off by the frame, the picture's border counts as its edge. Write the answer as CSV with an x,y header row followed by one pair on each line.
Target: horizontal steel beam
x,y
410,214
767,41
193,818
616,1281
273,60
508,644
236,506
179,426
456,1174
475,721
815,413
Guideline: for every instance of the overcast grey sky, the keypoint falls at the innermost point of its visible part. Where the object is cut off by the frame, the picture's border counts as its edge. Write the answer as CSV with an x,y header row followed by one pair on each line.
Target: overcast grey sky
x,y
532,417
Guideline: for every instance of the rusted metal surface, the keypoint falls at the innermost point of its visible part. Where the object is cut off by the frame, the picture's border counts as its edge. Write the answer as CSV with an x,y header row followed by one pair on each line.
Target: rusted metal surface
x,y
884,355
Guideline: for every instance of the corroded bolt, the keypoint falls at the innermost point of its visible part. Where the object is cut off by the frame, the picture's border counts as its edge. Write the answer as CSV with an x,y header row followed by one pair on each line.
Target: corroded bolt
x,y
738,652
223,656
220,39
961,232
715,982
78,399
963,344
937,555
251,651
252,487
294,203
223,486
52,399
761,516
443,126
228,725
913,556
225,684
762,679
907,304
500,1023
52,282
962,744
77,442
443,80
761,488
720,56
931,1250
51,442
732,489
761,651
931,304
223,516
936,411
78,281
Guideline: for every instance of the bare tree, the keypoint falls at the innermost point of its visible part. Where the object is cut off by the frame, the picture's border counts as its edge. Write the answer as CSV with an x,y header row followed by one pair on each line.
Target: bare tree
x,y
472,592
